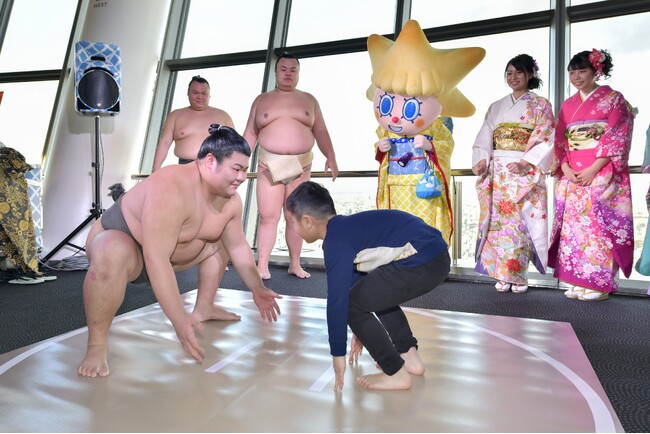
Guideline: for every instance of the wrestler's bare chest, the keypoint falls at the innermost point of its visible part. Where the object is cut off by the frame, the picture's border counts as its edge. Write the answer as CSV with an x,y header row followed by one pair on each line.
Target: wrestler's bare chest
x,y
202,230
194,123
273,107
197,242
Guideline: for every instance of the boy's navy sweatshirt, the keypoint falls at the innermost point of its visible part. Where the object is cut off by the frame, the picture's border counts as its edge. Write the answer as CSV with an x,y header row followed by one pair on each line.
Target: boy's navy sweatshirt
x,y
348,235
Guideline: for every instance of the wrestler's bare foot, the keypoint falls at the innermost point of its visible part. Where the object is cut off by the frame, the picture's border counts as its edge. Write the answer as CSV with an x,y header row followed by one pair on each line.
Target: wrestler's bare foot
x,y
299,272
412,362
94,364
264,273
214,313
400,381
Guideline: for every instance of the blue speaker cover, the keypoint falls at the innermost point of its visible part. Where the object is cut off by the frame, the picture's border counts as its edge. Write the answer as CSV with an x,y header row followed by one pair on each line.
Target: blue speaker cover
x,y
98,78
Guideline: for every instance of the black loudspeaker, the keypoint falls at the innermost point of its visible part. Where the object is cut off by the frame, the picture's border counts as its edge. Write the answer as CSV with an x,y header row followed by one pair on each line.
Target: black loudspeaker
x,y
98,78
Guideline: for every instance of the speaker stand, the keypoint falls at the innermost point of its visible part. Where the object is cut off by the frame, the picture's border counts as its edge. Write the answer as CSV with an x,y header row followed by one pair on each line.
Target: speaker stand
x,y
96,210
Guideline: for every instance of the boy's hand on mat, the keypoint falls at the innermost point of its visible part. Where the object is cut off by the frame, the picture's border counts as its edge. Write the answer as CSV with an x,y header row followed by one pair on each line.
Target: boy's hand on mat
x,y
185,333
356,348
339,370
265,302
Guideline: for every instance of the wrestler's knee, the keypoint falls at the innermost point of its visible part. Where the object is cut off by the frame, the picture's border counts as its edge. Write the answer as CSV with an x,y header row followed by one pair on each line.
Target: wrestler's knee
x,y
270,210
114,251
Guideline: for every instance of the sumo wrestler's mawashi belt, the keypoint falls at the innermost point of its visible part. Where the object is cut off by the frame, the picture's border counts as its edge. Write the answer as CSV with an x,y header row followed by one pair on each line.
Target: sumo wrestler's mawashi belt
x,y
285,168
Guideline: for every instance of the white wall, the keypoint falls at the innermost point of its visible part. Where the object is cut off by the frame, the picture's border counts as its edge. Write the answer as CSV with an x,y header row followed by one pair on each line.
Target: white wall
x,y
137,27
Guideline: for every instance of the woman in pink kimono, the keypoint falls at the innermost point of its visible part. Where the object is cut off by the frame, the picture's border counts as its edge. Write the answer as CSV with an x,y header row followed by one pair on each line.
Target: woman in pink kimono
x,y
592,235
511,154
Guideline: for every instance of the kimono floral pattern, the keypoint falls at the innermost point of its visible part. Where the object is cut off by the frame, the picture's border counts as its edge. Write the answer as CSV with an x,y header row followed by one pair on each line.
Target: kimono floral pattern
x,y
592,235
17,233
513,208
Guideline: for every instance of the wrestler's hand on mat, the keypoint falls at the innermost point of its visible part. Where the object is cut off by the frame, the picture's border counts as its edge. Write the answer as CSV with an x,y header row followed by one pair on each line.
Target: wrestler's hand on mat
x,y
185,333
356,348
265,302
383,145
339,370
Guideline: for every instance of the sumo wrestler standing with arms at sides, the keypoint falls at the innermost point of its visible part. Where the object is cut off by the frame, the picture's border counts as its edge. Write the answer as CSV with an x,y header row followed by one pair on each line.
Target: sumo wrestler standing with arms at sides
x,y
284,122
186,127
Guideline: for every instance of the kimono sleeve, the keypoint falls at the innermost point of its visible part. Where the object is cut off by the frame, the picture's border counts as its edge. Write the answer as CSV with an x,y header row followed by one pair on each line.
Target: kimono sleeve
x,y
617,137
539,151
561,144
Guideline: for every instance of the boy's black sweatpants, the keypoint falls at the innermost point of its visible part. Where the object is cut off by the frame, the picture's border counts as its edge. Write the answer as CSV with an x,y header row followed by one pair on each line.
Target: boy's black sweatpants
x,y
375,316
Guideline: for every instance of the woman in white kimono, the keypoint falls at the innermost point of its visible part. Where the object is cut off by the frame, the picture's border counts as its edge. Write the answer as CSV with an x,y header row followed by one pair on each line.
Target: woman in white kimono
x,y
511,154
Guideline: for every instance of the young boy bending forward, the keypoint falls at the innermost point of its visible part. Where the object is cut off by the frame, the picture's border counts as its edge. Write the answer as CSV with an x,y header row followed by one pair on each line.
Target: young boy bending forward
x,y
375,260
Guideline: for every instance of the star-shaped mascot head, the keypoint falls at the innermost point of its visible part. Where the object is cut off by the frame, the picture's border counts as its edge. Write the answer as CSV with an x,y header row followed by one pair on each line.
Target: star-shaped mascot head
x,y
411,66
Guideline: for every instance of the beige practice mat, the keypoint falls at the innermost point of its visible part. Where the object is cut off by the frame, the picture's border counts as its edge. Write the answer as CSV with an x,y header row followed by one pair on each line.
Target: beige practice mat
x,y
484,374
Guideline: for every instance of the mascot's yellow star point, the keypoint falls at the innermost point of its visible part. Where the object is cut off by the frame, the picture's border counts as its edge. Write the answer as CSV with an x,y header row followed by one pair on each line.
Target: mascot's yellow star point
x,y
413,84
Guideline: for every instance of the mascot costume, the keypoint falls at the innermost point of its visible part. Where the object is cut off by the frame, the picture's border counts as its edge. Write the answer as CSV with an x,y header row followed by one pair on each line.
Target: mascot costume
x,y
413,85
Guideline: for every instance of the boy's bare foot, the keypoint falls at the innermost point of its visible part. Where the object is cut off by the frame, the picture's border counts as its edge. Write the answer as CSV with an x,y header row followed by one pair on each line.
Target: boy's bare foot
x,y
412,362
299,272
400,381
214,313
94,364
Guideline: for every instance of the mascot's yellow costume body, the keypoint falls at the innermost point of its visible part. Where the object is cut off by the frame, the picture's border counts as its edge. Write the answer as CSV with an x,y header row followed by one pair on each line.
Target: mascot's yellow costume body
x,y
413,84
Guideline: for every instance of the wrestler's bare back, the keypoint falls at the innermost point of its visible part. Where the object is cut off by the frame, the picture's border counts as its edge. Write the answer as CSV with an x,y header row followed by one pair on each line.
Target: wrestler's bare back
x,y
191,128
284,121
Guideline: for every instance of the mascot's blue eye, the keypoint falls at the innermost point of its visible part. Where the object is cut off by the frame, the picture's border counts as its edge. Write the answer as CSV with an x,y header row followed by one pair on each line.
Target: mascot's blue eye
x,y
411,109
385,105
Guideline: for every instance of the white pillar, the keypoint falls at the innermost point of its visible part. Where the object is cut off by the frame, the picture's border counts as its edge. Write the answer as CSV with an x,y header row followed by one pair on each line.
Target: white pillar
x,y
137,27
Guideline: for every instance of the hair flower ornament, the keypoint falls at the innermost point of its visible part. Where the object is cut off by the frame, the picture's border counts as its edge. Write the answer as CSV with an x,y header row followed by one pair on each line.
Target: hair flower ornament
x,y
535,69
596,58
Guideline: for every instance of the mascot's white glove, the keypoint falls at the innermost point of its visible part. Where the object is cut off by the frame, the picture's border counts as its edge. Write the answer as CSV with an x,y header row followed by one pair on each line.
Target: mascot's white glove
x,y
369,259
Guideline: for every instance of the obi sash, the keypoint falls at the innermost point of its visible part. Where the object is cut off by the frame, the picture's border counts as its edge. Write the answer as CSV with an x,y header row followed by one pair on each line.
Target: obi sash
x,y
584,135
511,137
404,159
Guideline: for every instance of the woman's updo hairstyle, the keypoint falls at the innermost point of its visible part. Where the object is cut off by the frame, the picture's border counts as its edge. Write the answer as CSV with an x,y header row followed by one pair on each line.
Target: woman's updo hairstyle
x,y
525,63
599,61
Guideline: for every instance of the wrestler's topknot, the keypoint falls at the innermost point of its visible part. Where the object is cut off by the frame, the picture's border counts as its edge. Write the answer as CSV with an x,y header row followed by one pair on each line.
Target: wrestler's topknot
x,y
222,142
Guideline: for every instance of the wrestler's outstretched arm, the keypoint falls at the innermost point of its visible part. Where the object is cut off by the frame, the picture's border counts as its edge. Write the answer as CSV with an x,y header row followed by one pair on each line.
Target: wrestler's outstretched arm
x,y
160,232
242,259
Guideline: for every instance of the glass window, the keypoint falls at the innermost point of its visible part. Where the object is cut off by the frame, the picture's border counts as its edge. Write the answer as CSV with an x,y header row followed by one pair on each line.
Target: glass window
x,y
232,89
621,36
432,14
582,2
37,35
486,83
219,27
25,116
470,210
339,84
313,21
350,195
